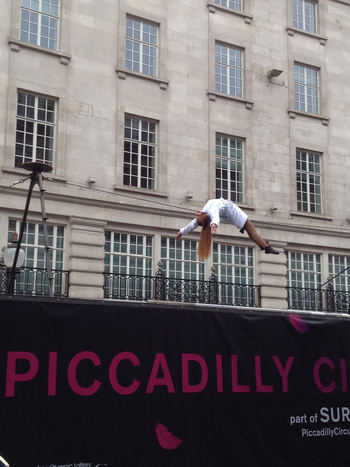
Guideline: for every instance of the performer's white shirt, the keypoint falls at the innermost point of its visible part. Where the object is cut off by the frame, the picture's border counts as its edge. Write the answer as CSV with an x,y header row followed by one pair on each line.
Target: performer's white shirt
x,y
218,209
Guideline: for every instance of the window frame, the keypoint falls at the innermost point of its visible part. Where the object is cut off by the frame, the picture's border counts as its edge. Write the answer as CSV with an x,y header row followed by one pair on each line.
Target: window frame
x,y
142,44
241,292
179,257
62,52
230,70
308,174
242,14
40,15
240,195
305,292
161,22
334,269
321,15
237,250
128,254
295,16
307,87
127,284
36,122
227,4
139,143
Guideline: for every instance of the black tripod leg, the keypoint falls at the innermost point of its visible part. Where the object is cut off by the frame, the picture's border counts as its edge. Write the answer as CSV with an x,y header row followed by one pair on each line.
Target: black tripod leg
x,y
11,282
46,237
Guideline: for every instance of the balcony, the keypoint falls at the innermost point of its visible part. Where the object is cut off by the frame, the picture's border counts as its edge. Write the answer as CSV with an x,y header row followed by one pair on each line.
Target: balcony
x,y
34,282
325,300
158,287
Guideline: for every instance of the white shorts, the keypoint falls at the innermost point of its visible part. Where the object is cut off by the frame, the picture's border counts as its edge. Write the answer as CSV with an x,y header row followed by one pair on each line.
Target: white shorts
x,y
234,215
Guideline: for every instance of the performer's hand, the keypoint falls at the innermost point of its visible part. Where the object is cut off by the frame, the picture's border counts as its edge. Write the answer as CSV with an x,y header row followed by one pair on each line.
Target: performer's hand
x,y
178,235
213,228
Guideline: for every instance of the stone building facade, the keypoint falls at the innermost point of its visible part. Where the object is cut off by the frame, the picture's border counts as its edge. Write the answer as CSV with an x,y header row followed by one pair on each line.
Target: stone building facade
x,y
146,109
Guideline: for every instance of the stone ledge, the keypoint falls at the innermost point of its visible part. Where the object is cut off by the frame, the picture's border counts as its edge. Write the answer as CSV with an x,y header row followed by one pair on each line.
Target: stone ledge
x,y
143,191
214,6
291,31
345,2
122,73
325,120
311,215
214,94
16,45
274,303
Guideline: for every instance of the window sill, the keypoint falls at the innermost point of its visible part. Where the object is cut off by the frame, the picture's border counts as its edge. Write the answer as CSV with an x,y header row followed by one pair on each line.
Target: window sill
x,y
213,95
213,7
311,215
345,2
16,45
123,73
20,171
292,31
143,191
244,206
323,118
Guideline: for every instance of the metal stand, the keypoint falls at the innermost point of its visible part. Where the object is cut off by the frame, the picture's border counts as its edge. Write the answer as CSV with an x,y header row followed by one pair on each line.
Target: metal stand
x,y
35,178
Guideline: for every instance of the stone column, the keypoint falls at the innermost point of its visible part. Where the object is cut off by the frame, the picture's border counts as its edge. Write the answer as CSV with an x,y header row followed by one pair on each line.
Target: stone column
x,y
86,262
272,270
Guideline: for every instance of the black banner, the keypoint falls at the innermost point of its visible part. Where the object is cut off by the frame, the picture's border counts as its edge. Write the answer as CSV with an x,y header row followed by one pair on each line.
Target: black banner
x,y
109,385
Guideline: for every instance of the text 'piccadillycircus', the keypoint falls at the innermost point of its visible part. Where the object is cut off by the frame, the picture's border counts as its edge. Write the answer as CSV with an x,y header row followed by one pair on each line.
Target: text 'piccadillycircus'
x,y
126,373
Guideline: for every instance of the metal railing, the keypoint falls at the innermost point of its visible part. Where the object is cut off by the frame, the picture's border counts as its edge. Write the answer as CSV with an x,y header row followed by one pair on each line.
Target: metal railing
x,y
34,281
327,299
158,287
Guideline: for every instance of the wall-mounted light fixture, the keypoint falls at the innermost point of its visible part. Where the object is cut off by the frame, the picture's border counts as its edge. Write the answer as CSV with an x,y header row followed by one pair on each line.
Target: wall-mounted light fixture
x,y
274,73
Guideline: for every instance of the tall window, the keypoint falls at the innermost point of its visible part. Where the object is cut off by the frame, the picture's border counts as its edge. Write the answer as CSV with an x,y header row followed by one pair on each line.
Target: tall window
x,y
308,173
338,289
306,89
340,265
40,22
229,168
304,280
35,129
186,272
141,47
127,265
304,15
140,149
179,258
34,280
233,4
228,70
235,271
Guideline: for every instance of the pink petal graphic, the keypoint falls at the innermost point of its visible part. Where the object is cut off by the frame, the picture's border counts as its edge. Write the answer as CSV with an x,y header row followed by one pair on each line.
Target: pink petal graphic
x,y
166,439
298,324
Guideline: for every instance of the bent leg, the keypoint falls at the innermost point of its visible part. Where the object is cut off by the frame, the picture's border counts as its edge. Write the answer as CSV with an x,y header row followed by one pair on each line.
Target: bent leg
x,y
253,234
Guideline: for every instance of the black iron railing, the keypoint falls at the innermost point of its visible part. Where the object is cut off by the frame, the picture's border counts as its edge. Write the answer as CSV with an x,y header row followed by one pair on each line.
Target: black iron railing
x,y
327,299
34,281
158,287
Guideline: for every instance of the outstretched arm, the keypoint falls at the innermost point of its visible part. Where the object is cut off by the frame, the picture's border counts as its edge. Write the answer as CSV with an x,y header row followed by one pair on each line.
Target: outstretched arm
x,y
187,229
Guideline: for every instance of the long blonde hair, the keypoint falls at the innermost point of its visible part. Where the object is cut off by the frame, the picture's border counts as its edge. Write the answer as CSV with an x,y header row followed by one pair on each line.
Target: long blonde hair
x,y
204,245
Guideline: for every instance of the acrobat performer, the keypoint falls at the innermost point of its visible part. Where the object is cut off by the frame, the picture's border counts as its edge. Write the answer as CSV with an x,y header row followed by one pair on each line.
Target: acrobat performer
x,y
209,219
